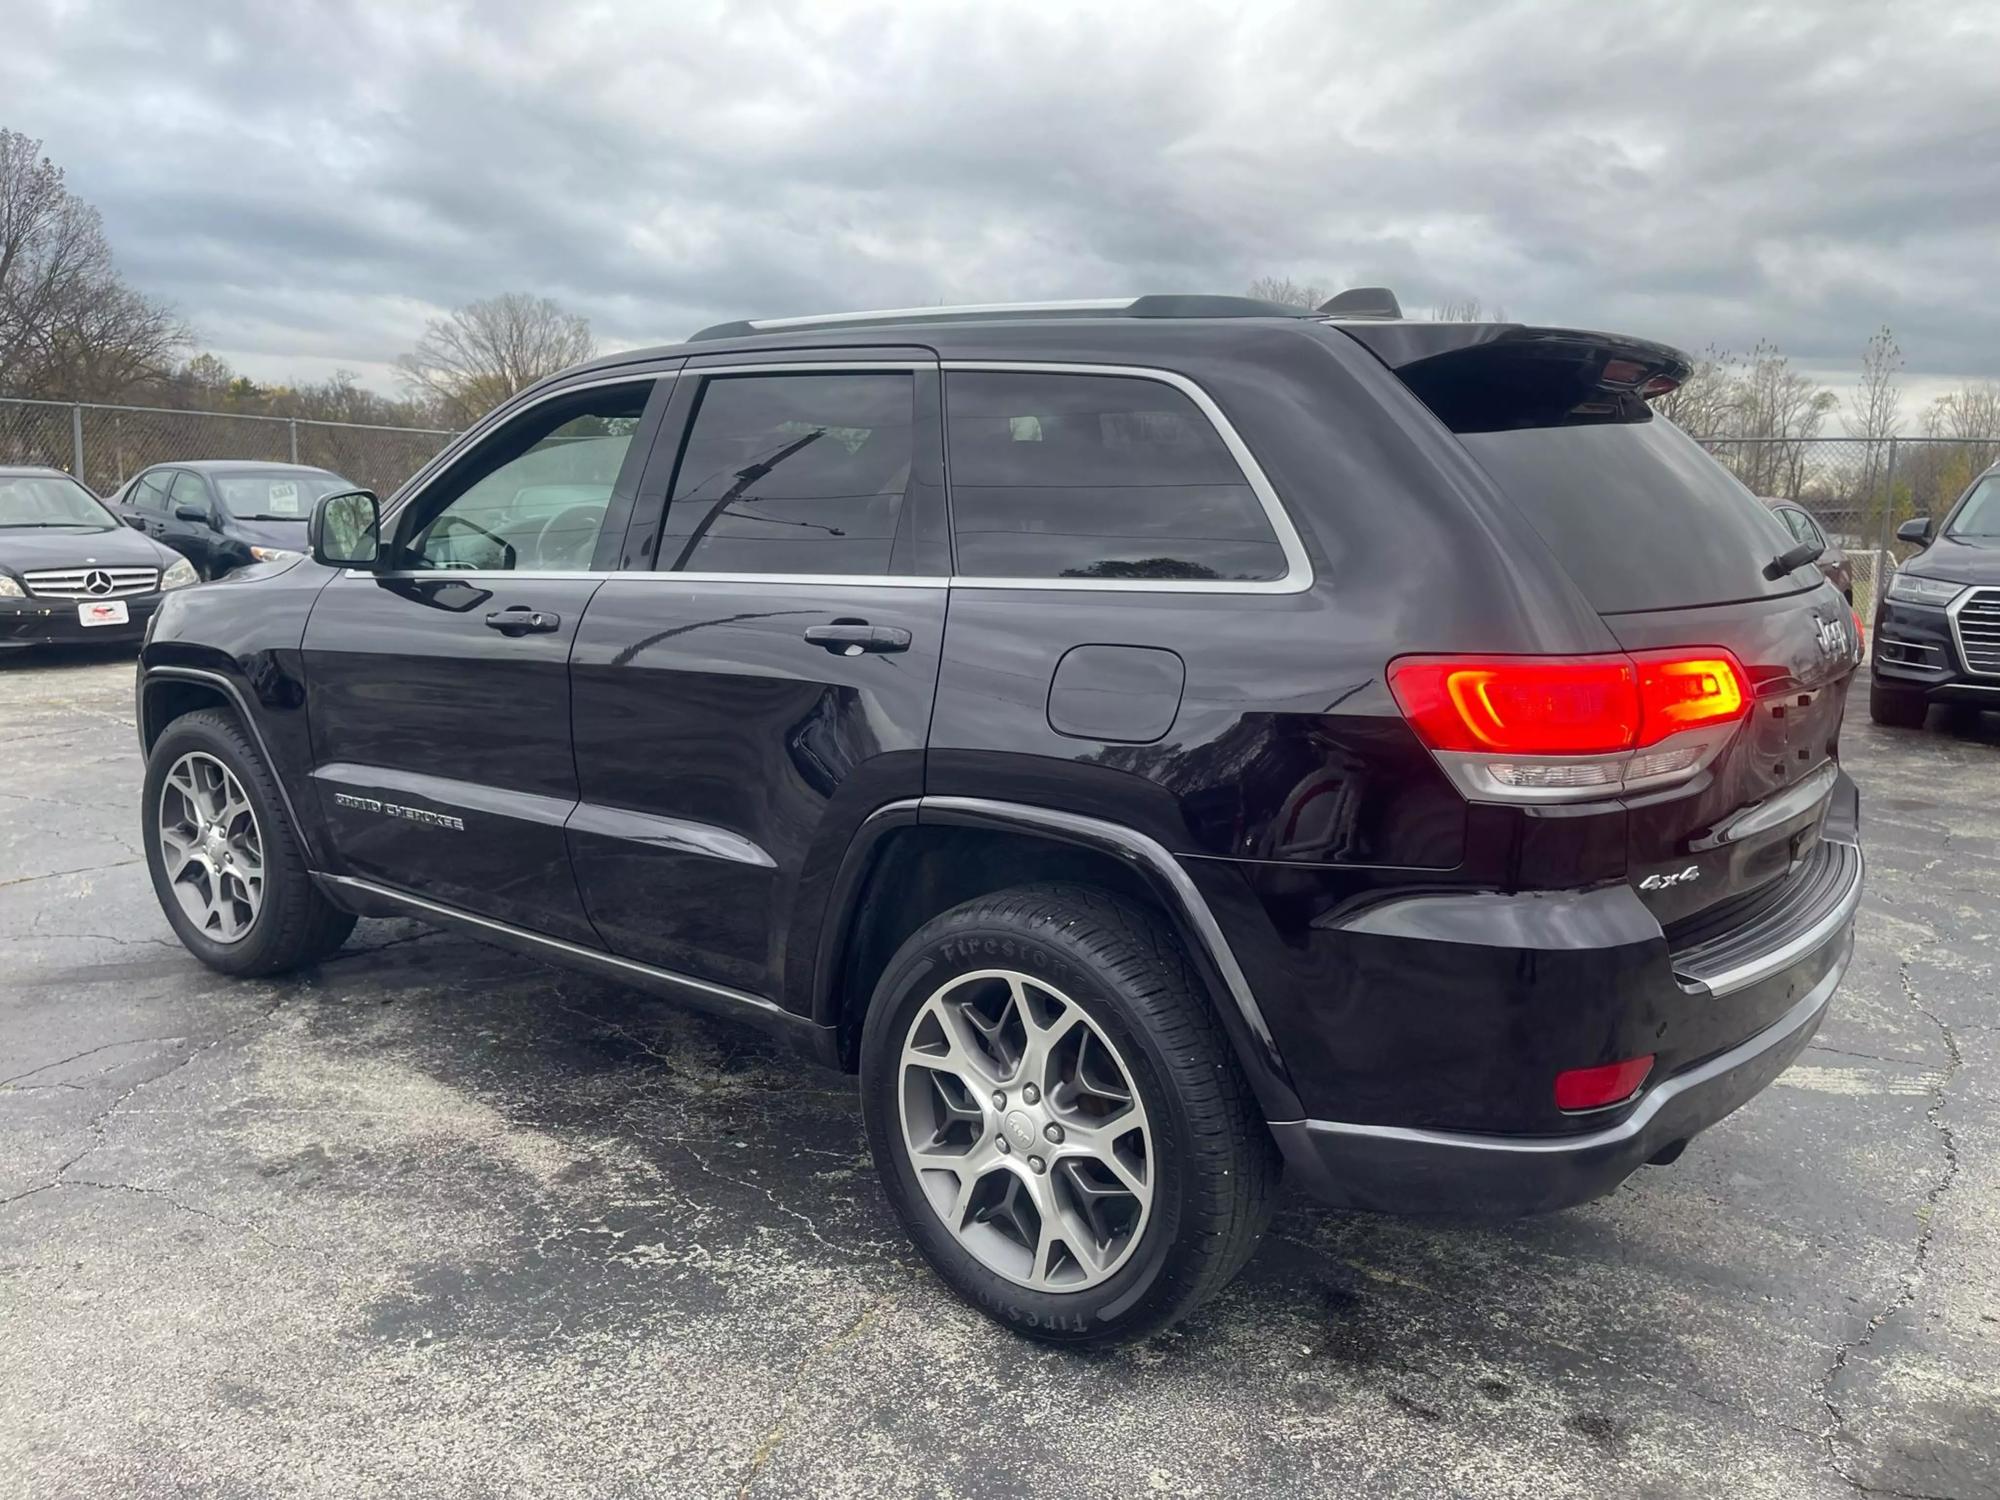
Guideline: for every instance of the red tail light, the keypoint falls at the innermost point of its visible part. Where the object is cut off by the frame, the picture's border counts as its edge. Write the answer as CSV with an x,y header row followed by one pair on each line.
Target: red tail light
x,y
1520,705
1594,1088
1565,705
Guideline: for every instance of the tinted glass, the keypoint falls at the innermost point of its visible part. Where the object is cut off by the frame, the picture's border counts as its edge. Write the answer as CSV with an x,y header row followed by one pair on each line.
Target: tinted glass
x,y
1639,516
1980,515
535,500
793,474
45,501
1096,476
188,489
150,492
276,496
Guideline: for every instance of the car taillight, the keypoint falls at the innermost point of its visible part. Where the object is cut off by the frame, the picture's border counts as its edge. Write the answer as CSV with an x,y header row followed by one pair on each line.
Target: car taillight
x,y
1523,705
1597,1088
1561,727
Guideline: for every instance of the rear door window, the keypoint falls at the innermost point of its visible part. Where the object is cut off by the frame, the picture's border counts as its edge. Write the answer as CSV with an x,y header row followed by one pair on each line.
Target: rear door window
x,y
1639,516
1096,476
793,473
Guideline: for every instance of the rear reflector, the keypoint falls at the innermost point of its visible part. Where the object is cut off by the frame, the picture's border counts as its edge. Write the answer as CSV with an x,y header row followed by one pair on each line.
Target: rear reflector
x,y
1594,1088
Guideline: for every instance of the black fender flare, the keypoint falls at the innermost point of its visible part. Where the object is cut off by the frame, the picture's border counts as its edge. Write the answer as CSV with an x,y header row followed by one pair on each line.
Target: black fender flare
x,y
230,688
1195,923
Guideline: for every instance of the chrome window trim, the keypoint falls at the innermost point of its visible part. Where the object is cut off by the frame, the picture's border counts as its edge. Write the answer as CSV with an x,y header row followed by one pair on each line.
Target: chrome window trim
x,y
1297,578
1951,614
1298,575
420,482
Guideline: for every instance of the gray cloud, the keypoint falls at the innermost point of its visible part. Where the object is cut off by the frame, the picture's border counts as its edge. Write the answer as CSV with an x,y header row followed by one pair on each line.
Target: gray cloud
x,y
309,182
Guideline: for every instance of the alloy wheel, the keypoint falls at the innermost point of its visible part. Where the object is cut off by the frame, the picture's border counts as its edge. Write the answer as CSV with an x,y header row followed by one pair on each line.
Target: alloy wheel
x,y
211,846
1025,1130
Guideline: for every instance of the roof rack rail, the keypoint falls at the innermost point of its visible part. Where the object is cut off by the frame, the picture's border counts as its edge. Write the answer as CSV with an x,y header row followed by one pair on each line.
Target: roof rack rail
x,y
1156,305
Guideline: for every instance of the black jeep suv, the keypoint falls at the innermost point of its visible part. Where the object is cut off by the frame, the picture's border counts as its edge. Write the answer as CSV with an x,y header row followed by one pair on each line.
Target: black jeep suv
x,y
1156,743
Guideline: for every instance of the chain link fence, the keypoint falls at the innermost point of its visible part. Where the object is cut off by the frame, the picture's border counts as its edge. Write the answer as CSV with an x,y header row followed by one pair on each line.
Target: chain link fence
x,y
1858,489
106,445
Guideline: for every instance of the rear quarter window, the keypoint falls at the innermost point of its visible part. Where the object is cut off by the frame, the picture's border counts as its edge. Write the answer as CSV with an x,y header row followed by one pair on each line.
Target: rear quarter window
x,y
1096,476
1639,515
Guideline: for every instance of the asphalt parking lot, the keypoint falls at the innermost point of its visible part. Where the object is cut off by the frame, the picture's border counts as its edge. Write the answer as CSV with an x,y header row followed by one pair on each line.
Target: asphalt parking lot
x,y
433,1220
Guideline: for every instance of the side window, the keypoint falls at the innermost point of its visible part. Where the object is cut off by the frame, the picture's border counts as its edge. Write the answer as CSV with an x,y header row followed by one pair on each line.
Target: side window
x,y
534,497
189,488
1807,528
1096,476
793,474
150,493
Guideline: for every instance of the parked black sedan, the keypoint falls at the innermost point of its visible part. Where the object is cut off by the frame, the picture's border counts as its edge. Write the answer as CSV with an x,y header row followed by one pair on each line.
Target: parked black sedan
x,y
1937,625
226,513
68,570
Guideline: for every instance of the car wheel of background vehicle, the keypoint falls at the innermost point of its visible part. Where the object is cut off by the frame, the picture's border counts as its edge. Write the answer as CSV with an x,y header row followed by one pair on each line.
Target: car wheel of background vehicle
x,y
225,862
1898,708
1058,1117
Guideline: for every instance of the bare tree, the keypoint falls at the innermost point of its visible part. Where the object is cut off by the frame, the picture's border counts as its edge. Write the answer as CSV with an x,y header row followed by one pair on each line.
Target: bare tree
x,y
1705,404
1284,289
1458,310
1873,407
1783,409
69,325
470,362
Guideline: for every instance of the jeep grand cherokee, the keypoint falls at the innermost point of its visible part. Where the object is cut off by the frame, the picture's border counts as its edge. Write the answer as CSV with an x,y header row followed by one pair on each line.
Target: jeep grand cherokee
x,y
1156,743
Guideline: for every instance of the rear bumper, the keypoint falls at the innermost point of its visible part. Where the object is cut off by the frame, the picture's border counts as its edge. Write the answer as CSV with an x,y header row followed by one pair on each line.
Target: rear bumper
x,y
52,622
1391,1169
1475,1005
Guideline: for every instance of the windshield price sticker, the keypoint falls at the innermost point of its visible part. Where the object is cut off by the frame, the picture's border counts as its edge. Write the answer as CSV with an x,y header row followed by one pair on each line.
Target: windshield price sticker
x,y
284,500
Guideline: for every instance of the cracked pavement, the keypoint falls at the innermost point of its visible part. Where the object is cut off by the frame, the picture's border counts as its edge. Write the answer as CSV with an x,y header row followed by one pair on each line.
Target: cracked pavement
x,y
434,1220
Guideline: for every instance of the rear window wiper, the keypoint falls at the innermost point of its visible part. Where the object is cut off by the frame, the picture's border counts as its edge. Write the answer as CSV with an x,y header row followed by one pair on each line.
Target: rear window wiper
x,y
1797,557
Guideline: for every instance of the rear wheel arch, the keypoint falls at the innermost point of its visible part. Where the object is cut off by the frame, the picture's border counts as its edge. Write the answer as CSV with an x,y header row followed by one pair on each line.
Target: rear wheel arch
x,y
921,863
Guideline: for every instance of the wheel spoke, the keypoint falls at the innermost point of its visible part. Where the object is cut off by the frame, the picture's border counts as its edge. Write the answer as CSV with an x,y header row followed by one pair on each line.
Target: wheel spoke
x,y
1030,1142
176,849
211,847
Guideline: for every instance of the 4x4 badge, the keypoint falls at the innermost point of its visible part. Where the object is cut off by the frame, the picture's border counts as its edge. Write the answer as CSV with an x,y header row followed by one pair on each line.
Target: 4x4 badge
x,y
1679,877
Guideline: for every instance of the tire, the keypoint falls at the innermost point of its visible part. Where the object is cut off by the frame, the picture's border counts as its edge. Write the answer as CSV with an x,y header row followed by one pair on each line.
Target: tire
x,y
286,923
1896,708
1195,1141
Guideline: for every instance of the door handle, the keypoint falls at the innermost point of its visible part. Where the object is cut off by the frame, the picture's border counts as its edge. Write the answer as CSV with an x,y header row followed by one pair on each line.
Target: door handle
x,y
853,637
519,619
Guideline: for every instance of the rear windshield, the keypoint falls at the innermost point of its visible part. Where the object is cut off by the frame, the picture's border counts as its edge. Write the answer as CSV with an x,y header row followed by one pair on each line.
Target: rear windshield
x,y
1639,515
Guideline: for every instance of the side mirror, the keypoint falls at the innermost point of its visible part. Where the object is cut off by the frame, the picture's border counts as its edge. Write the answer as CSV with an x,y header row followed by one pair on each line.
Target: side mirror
x,y
345,530
195,513
1917,529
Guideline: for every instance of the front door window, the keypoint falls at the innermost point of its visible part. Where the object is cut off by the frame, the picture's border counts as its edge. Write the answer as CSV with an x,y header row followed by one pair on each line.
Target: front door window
x,y
533,500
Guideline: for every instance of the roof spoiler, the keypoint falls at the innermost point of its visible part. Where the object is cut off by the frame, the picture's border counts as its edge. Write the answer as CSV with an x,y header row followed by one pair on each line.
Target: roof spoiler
x,y
1489,377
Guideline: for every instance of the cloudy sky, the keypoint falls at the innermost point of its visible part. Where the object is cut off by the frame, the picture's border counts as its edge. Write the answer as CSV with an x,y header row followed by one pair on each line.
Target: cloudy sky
x,y
309,182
